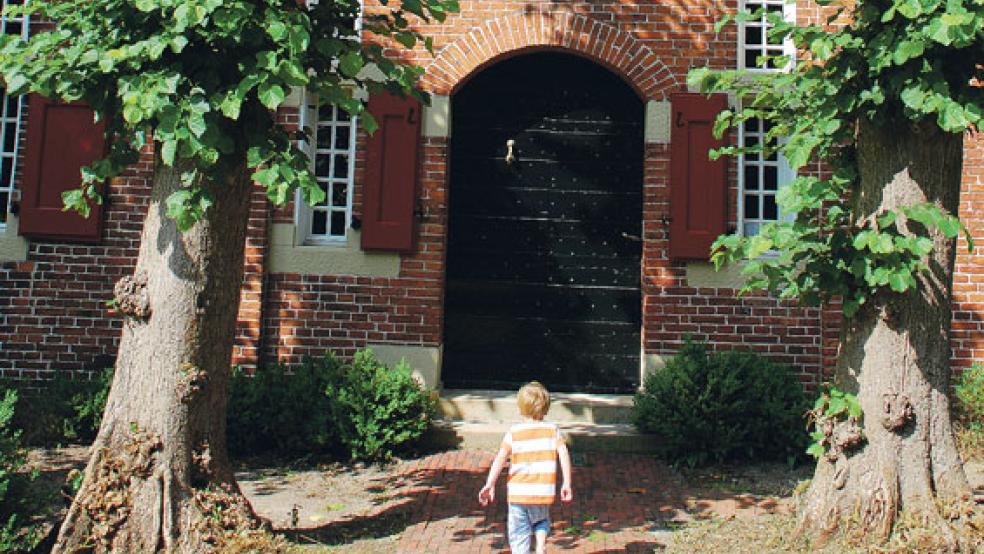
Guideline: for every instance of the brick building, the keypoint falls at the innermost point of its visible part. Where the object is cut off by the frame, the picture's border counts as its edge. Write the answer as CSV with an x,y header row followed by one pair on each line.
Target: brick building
x,y
547,215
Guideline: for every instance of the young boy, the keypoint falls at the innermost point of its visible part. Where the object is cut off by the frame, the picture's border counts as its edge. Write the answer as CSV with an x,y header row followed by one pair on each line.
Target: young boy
x,y
534,446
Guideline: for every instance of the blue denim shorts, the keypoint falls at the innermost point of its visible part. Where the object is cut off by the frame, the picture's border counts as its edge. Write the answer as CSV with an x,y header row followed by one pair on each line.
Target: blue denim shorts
x,y
525,520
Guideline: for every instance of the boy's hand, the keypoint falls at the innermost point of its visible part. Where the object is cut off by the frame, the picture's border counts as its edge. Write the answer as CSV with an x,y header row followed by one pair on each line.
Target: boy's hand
x,y
566,493
486,495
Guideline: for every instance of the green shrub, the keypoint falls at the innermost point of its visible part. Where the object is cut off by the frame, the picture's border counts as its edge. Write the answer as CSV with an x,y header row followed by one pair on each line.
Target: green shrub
x,y
969,388
17,533
378,411
968,408
276,410
723,406
66,409
361,410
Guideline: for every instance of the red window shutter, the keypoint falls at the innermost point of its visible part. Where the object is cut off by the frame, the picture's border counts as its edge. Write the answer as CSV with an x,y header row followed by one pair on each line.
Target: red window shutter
x,y
390,189
698,186
61,138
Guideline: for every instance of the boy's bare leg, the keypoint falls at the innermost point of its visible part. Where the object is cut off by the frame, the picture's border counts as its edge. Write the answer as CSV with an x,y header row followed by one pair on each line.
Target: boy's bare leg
x,y
541,542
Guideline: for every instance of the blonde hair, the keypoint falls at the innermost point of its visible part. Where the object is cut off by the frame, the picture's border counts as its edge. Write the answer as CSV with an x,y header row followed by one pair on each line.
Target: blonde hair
x,y
534,400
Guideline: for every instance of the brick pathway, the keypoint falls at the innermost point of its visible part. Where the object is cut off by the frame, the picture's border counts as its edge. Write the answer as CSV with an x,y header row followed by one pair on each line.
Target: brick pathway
x,y
617,498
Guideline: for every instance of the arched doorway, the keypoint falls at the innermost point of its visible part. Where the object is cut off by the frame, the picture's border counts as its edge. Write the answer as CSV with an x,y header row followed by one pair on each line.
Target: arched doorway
x,y
544,249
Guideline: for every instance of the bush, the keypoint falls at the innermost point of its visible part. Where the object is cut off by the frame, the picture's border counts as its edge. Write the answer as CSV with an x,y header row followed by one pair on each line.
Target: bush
x,y
378,411
275,410
17,534
968,407
66,409
363,410
969,388
723,406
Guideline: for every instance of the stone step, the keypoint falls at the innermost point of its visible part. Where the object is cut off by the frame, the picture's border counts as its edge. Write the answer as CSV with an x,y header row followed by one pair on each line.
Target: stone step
x,y
500,407
583,437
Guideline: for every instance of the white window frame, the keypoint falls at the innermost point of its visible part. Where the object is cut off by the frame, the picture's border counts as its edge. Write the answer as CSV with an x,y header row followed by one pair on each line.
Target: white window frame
x,y
304,214
5,119
788,48
784,175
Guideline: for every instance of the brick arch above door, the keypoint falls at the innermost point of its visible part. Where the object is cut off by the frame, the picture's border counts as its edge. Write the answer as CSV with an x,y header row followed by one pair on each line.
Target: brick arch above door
x,y
520,32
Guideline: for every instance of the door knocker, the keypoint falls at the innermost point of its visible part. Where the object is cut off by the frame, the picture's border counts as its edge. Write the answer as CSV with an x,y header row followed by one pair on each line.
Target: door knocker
x,y
510,157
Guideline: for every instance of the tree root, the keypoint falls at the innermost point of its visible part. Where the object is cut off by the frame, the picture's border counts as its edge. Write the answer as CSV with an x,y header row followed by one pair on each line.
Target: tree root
x,y
105,504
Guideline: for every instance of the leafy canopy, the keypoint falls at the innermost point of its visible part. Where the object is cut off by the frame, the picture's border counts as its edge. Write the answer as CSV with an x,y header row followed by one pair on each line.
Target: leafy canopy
x,y
890,61
202,79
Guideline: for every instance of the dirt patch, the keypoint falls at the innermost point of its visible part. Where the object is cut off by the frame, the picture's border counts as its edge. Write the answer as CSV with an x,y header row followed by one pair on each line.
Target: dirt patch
x,y
301,499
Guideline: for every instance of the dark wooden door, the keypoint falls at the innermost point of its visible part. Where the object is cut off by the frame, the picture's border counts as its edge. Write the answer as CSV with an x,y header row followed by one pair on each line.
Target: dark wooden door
x,y
543,267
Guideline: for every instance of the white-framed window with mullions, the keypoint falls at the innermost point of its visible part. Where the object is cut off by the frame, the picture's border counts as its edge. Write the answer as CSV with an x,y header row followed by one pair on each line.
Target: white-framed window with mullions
x,y
10,118
331,148
760,177
756,50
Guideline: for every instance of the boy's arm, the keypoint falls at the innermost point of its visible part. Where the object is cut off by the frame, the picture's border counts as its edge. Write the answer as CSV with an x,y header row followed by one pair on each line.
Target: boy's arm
x,y
487,494
566,492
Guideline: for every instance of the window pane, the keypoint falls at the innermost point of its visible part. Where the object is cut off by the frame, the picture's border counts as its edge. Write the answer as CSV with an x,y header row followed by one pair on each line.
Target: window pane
x,y
4,199
319,222
341,166
753,35
6,167
770,178
751,58
751,177
324,137
9,134
339,195
751,229
751,206
769,209
322,166
341,138
338,223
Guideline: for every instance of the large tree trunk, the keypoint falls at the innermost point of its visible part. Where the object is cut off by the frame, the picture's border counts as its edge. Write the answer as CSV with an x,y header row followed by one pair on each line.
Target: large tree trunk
x,y
158,478
895,355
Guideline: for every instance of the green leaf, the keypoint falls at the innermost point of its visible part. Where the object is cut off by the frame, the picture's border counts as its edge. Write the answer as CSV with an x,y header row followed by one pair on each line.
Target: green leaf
x,y
907,50
277,30
271,95
909,8
853,406
351,64
952,118
231,105
816,450
950,226
132,114
900,281
168,150
187,206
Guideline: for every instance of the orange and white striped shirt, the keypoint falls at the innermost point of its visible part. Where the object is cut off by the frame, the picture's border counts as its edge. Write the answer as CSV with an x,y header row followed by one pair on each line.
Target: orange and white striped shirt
x,y
532,462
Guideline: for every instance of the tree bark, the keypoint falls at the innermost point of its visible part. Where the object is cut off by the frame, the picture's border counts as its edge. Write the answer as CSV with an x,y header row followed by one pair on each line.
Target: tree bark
x,y
159,478
895,356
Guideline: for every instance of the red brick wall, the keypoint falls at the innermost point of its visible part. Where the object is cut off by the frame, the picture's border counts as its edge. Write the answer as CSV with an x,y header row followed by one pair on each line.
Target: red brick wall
x,y
968,280
53,313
